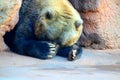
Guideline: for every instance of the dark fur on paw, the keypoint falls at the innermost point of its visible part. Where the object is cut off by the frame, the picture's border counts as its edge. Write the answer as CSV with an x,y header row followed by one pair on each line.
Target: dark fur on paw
x,y
73,54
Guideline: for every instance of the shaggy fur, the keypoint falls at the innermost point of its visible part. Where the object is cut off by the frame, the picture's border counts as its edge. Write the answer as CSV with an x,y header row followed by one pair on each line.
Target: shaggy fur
x,y
46,28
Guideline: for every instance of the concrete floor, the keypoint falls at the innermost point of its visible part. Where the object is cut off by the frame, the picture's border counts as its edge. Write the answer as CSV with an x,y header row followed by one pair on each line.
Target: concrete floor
x,y
93,65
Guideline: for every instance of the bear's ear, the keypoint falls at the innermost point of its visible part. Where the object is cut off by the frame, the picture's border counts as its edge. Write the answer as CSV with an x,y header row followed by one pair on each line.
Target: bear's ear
x,y
77,24
49,15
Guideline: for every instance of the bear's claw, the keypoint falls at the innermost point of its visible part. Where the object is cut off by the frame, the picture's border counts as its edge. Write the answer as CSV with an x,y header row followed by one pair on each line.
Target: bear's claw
x,y
72,55
53,50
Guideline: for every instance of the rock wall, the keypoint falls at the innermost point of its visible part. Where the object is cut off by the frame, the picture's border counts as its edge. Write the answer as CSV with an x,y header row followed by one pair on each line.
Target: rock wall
x,y
101,23
9,10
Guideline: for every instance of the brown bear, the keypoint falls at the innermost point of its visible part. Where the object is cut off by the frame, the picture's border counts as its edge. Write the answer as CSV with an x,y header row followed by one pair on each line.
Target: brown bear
x,y
46,28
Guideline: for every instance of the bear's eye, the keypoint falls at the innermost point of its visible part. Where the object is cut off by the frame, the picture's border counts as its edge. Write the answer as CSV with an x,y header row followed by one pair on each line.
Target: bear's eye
x,y
49,15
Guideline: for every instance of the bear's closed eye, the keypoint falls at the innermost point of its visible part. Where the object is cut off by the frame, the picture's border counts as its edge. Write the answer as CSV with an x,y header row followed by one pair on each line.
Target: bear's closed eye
x,y
49,15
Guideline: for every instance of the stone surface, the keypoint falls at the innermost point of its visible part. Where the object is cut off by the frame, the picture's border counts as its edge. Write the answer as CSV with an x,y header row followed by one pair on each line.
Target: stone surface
x,y
8,18
3,46
93,65
101,23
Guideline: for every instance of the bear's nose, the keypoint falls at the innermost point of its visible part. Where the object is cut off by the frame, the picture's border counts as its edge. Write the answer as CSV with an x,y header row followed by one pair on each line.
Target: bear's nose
x,y
78,23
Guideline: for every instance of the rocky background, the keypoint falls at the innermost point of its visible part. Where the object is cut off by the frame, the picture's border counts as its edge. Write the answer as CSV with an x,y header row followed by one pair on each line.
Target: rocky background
x,y
9,10
101,23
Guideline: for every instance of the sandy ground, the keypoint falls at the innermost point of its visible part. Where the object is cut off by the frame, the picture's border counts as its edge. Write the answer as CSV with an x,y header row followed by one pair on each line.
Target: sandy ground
x,y
92,65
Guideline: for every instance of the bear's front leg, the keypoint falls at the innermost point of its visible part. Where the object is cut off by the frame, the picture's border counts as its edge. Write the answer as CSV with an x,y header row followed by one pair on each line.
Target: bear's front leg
x,y
38,49
71,52
44,50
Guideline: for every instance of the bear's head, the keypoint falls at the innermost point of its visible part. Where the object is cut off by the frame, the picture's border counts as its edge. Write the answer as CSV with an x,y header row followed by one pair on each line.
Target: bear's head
x,y
58,21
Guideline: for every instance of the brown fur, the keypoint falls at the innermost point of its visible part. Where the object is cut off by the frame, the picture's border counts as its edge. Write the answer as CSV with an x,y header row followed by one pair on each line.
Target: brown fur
x,y
62,25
